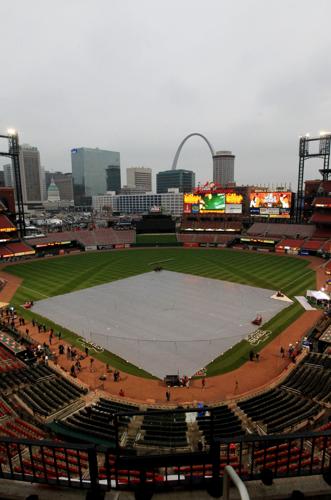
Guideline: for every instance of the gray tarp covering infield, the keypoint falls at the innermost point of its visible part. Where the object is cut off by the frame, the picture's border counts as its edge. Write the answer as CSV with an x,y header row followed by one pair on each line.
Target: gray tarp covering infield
x,y
164,322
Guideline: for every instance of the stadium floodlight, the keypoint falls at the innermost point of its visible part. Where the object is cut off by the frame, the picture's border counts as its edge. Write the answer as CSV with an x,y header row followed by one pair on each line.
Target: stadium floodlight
x,y
11,131
324,132
307,134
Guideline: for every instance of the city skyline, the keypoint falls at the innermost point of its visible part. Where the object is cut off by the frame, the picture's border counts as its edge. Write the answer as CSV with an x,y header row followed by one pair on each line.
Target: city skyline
x,y
249,91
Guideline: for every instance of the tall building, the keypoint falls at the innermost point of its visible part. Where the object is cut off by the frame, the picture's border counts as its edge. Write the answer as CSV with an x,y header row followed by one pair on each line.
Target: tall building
x,y
89,172
223,167
169,203
8,175
184,180
31,175
139,177
63,182
114,178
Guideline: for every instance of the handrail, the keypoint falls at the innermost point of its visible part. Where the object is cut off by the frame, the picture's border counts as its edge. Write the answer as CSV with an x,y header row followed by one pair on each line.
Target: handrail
x,y
230,473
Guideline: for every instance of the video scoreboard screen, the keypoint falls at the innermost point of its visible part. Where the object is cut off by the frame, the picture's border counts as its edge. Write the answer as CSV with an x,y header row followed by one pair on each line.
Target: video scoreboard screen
x,y
271,204
219,203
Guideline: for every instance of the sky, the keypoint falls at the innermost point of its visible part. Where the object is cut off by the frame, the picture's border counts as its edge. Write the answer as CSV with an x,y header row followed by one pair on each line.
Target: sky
x,y
137,76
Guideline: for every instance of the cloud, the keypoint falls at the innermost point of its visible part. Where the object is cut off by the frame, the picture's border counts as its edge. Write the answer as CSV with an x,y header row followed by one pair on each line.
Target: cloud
x,y
137,77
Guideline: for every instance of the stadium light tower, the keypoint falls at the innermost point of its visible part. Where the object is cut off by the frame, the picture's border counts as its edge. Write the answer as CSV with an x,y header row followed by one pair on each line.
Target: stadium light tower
x,y
323,152
14,153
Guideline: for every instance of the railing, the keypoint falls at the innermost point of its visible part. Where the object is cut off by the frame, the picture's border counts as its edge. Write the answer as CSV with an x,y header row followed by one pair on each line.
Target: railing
x,y
97,468
230,474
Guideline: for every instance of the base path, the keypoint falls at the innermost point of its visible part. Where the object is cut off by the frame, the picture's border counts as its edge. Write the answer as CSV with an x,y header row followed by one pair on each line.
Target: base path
x,y
12,284
247,379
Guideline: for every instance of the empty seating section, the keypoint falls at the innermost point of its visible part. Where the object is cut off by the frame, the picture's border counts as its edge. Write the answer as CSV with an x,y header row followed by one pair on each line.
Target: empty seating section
x,y
281,230
293,244
164,430
53,463
8,361
126,476
313,245
279,409
5,410
18,428
100,236
6,225
324,443
312,378
12,380
284,458
327,247
317,359
206,238
205,470
40,388
97,420
11,249
225,424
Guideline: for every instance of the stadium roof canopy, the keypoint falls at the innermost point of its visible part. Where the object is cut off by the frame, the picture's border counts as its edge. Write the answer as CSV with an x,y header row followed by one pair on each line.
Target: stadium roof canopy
x,y
318,295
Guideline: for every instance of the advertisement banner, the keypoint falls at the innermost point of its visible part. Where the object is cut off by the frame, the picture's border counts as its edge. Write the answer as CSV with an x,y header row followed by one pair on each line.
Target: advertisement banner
x,y
233,209
191,245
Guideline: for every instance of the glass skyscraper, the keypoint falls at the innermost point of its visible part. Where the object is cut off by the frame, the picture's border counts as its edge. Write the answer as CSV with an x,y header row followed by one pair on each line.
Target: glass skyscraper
x,y
89,172
184,180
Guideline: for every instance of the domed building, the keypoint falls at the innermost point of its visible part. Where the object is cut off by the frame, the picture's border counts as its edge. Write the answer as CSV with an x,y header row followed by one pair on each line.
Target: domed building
x,y
53,193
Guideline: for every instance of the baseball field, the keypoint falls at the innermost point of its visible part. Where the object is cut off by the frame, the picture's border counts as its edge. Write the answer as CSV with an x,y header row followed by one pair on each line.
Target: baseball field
x,y
56,276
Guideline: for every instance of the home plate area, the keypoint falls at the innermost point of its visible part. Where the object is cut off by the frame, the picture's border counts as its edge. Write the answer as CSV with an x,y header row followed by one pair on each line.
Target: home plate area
x,y
164,322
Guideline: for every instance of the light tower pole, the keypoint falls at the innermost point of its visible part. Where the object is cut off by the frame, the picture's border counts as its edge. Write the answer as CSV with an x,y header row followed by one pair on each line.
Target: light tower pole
x,y
323,152
14,153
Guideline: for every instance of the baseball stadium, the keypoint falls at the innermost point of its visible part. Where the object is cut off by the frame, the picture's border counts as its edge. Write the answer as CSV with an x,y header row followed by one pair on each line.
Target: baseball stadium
x,y
157,361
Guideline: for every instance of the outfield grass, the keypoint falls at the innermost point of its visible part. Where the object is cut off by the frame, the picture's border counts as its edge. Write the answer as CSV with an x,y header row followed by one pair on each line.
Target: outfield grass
x,y
48,277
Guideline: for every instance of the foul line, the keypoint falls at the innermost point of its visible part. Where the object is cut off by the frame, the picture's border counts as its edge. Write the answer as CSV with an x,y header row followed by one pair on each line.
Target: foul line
x,y
35,291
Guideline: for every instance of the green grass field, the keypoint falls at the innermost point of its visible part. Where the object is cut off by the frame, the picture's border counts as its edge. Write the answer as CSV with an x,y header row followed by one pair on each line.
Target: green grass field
x,y
56,276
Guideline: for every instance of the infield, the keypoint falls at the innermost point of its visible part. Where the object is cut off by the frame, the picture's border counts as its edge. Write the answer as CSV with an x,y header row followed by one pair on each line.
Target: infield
x,y
165,322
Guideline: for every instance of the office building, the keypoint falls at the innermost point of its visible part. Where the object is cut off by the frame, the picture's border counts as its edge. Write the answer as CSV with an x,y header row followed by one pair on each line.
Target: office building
x,y
89,172
63,182
8,175
32,178
169,203
223,168
139,177
183,180
132,190
114,178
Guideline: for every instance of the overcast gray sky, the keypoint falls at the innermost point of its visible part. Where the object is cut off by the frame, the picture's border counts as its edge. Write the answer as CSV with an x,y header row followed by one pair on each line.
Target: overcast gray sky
x,y
137,76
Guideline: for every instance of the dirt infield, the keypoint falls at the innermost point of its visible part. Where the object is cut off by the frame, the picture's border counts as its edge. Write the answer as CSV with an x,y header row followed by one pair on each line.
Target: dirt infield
x,y
246,379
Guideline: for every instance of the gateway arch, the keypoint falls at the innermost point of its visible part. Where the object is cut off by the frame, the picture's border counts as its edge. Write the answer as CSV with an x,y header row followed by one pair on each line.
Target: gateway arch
x,y
174,163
